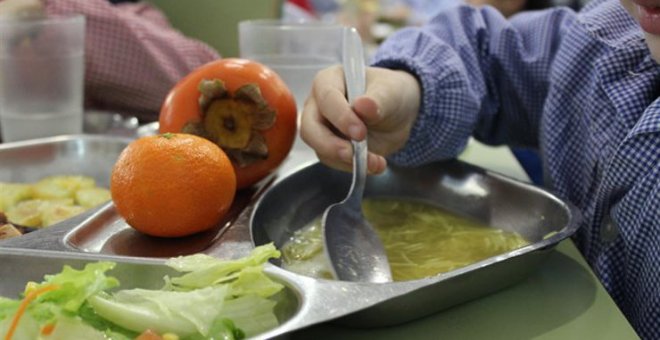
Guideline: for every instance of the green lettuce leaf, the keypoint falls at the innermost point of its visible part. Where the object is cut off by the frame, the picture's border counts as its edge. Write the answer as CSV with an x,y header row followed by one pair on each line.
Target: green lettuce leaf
x,y
75,286
212,299
253,280
222,329
181,313
251,313
75,328
203,270
112,331
28,328
8,307
73,289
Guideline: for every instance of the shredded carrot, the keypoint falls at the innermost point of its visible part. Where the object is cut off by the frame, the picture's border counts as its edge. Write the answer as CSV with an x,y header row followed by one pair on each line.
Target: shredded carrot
x,y
23,307
48,329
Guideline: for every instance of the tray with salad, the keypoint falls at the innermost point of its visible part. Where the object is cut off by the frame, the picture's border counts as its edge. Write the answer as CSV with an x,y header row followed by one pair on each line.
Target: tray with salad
x,y
48,295
186,238
521,223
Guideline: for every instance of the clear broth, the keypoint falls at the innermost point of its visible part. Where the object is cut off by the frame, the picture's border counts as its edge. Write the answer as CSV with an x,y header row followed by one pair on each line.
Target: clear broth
x,y
420,240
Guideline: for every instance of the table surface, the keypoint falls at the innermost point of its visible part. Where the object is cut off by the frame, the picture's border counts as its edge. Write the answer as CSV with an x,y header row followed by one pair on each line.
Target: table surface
x,y
561,300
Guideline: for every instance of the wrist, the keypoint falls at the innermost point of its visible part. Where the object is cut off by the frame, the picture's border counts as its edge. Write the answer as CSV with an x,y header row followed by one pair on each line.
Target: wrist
x,y
412,99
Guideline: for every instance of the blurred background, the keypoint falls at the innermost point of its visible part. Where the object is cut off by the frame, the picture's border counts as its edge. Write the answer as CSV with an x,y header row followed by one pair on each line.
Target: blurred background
x,y
215,21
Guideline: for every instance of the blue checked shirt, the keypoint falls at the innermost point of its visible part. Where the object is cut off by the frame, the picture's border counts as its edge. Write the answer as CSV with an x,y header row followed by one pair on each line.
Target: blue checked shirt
x,y
583,89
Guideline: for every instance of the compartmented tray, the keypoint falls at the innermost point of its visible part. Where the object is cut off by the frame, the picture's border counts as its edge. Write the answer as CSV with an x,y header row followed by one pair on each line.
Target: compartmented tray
x,y
101,230
496,200
88,155
299,304
287,201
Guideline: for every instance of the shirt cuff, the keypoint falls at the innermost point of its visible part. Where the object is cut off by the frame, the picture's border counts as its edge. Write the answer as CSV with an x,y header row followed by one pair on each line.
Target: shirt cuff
x,y
448,112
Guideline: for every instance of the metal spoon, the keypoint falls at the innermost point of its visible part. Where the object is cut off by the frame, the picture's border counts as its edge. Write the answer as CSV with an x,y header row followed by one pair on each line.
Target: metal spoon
x,y
355,251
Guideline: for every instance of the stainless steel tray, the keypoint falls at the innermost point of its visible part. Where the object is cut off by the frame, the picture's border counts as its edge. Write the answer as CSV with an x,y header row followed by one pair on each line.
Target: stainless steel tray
x,y
496,200
303,302
288,200
89,155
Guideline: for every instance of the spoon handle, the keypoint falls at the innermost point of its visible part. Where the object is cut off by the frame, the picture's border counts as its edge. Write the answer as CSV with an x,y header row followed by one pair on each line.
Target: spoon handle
x,y
359,170
355,79
353,63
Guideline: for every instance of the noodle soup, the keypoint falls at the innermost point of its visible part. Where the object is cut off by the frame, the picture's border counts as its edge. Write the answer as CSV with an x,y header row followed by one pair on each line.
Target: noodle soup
x,y
420,240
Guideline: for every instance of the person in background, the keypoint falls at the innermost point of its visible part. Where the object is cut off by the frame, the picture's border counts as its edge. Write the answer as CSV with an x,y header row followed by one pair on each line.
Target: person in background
x,y
415,12
582,87
511,7
299,11
133,56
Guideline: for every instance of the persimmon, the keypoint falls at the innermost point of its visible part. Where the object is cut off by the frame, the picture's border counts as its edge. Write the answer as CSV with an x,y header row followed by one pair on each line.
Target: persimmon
x,y
172,185
240,105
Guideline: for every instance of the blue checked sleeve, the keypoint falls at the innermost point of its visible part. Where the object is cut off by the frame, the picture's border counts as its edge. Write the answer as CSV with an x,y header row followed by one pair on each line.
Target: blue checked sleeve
x,y
480,74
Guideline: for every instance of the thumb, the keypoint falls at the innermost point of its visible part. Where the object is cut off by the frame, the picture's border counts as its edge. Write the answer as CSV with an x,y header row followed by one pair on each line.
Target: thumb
x,y
367,108
389,108
377,98
389,94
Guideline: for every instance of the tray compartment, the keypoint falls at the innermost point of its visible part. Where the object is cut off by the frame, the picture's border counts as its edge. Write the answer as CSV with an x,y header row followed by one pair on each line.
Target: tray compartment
x,y
88,155
286,201
493,199
106,232
20,266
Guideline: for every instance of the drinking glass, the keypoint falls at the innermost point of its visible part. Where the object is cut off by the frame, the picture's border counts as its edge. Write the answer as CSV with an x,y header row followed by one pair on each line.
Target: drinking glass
x,y
41,76
296,51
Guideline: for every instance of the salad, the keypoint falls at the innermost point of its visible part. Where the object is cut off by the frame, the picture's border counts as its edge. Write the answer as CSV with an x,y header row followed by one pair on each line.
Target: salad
x,y
210,299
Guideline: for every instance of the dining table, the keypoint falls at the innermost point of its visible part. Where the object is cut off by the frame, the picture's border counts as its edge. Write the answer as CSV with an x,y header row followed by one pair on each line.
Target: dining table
x,y
562,299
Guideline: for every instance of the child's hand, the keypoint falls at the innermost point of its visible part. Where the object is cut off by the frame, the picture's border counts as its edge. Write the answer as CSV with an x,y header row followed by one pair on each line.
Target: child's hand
x,y
388,108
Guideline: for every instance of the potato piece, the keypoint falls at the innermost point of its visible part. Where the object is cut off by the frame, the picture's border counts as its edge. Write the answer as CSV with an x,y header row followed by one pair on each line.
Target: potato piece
x,y
50,200
29,213
61,186
91,197
8,231
12,193
26,213
53,213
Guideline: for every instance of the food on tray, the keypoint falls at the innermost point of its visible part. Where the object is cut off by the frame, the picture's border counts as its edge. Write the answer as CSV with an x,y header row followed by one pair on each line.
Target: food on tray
x,y
36,213
54,187
172,184
420,240
8,231
243,107
50,200
12,193
91,197
209,299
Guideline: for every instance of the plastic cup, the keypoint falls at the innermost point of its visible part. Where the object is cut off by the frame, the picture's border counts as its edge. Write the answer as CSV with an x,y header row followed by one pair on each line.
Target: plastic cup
x,y
295,51
41,76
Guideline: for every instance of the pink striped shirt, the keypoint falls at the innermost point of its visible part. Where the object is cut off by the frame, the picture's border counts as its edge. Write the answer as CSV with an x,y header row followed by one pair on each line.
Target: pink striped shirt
x,y
133,57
